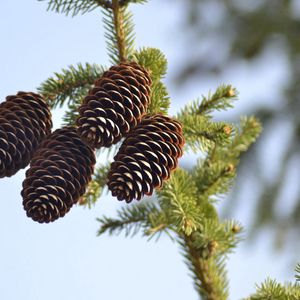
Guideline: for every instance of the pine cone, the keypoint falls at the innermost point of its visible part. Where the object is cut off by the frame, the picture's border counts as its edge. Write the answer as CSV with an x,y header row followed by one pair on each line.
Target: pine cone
x,y
146,158
115,105
25,119
58,175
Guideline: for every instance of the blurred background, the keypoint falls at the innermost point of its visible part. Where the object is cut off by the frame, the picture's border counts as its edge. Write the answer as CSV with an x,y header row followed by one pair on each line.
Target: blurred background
x,y
251,44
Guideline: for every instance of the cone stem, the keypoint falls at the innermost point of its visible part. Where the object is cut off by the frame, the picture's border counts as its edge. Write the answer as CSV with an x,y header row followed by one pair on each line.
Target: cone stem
x,y
119,28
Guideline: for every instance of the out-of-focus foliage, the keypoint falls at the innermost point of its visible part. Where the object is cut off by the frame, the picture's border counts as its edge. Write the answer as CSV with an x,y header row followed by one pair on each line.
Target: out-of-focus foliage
x,y
226,32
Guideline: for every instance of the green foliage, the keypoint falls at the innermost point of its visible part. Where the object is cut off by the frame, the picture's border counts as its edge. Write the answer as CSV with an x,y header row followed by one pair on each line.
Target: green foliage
x,y
245,135
160,100
178,200
221,99
70,84
213,178
153,60
156,63
249,130
217,237
201,133
272,290
145,216
214,175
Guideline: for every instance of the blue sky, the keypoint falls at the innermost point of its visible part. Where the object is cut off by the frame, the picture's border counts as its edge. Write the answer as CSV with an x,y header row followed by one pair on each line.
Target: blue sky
x,y
65,260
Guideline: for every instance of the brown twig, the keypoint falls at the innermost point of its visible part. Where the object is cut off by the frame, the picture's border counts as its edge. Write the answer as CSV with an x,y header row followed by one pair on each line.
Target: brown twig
x,y
119,28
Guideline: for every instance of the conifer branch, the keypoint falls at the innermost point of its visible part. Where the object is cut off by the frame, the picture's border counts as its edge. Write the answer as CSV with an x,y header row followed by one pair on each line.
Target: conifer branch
x,y
178,200
202,134
273,290
249,131
155,62
160,100
119,29
215,174
220,100
74,7
71,83
146,216
119,34
208,271
213,178
95,187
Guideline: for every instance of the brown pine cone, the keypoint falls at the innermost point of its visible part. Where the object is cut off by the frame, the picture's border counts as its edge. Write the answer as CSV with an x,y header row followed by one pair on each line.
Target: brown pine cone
x,y
59,173
146,158
25,119
115,105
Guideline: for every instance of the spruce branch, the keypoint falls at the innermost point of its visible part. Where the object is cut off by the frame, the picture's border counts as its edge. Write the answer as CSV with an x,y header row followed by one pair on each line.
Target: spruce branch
x,y
132,219
250,129
202,134
273,290
223,235
75,7
155,62
71,83
160,100
120,36
213,178
177,199
214,175
221,100
119,29
208,271
95,187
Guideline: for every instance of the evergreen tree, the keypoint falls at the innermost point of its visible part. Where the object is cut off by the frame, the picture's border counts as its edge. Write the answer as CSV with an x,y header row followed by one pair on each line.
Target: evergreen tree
x,y
184,206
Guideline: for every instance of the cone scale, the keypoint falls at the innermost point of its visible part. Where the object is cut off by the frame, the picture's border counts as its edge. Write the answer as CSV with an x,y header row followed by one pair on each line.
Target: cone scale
x,y
25,120
115,105
146,158
58,175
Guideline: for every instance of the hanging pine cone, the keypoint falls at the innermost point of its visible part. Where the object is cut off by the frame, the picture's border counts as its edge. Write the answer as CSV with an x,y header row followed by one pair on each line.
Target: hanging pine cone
x,y
115,105
146,158
25,119
58,175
